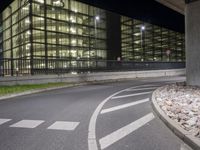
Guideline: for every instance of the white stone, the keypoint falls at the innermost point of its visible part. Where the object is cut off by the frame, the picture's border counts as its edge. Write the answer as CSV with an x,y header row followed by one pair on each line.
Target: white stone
x,y
182,104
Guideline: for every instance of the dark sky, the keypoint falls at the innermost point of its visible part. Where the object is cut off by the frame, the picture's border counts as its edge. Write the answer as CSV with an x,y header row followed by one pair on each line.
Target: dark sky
x,y
147,10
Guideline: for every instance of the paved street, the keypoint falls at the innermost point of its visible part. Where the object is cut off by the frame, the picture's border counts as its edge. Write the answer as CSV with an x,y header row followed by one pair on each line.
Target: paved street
x,y
110,116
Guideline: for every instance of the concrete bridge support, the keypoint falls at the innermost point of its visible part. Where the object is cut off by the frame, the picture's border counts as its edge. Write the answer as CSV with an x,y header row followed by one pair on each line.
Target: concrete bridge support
x,y
192,21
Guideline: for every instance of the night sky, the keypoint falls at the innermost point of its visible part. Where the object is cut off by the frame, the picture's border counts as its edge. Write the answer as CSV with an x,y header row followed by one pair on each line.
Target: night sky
x,y
146,10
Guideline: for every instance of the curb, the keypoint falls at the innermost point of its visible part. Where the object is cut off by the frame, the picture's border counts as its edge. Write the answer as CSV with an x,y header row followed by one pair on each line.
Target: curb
x,y
55,88
184,135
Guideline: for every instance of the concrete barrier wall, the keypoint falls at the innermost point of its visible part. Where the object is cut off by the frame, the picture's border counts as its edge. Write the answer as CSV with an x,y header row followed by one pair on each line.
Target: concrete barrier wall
x,y
89,77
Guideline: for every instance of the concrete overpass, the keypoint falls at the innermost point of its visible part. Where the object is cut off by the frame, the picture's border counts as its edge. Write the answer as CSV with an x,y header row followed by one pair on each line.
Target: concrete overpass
x,y
191,10
177,5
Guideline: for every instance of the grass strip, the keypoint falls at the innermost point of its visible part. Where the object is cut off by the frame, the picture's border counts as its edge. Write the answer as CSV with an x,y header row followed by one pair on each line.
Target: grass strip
x,y
6,90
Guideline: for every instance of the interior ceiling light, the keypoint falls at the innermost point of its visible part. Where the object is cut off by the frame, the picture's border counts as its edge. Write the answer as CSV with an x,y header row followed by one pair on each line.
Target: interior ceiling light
x,y
73,30
40,1
27,21
25,8
73,41
58,3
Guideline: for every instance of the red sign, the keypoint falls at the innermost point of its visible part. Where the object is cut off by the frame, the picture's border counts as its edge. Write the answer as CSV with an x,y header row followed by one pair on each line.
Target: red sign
x,y
168,52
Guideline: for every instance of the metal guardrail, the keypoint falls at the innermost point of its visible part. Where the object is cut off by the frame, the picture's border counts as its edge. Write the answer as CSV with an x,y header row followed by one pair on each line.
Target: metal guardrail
x,y
60,66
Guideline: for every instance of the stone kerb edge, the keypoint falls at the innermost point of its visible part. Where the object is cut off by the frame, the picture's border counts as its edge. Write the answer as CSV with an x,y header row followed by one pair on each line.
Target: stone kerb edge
x,y
192,141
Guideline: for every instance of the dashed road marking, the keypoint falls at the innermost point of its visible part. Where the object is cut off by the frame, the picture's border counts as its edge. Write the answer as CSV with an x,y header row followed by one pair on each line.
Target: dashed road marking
x,y
27,124
63,125
124,106
124,131
2,121
130,95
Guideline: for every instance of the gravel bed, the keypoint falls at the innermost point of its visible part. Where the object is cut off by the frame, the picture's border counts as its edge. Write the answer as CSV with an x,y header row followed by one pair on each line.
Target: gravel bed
x,y
182,104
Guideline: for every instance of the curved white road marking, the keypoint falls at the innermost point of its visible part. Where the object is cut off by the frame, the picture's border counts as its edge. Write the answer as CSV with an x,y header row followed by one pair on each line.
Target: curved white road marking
x,y
124,131
124,106
92,142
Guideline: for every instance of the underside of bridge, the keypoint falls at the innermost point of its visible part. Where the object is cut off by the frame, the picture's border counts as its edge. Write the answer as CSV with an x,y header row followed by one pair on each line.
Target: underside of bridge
x,y
191,10
177,5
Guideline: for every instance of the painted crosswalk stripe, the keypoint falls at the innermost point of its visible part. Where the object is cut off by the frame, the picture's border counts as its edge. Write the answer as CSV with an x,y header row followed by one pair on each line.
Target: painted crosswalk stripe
x,y
124,106
2,121
27,124
63,125
124,131
130,95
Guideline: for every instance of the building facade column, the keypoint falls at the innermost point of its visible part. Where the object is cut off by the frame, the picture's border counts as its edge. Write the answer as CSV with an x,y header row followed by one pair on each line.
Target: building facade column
x,y
113,36
192,21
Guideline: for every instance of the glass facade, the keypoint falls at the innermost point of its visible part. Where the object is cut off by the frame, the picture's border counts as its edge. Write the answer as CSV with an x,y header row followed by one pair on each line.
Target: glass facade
x,y
50,36
142,41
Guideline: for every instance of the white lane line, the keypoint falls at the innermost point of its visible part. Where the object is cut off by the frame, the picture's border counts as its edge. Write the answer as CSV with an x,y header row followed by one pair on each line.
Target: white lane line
x,y
63,125
27,124
124,131
2,121
130,95
124,106
185,147
149,88
92,142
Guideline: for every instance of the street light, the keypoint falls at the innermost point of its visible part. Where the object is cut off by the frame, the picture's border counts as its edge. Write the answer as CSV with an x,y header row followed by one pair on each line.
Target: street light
x,y
142,29
97,18
11,43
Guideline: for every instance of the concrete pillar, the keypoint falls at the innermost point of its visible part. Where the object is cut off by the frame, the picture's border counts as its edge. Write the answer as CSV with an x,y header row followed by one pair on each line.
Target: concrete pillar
x,y
192,21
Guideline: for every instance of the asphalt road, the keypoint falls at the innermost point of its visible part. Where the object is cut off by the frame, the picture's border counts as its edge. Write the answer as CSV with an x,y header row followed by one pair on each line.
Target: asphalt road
x,y
110,116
